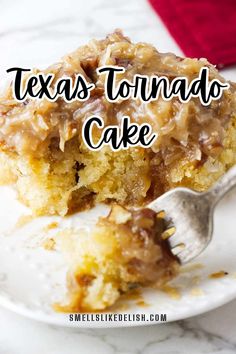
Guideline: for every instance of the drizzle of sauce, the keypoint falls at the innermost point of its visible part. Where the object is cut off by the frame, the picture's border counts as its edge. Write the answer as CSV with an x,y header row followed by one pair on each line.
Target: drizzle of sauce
x,y
172,291
219,274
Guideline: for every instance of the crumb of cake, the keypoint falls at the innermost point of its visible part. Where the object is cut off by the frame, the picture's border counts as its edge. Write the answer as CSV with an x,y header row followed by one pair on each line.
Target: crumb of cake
x,y
168,233
51,226
191,267
24,220
142,303
219,274
124,252
49,244
161,214
43,155
197,292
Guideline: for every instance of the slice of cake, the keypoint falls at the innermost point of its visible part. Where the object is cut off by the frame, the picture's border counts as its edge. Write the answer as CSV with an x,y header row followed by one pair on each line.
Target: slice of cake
x,y
43,154
125,250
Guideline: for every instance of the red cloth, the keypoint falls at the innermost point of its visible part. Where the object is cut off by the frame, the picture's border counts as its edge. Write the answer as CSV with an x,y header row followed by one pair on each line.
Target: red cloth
x,y
202,28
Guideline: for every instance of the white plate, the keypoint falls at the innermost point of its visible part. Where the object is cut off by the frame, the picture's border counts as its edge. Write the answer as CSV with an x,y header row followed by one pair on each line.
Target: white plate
x,y
32,278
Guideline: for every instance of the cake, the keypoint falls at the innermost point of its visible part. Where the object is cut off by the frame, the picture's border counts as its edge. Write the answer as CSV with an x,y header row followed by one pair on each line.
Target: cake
x,y
43,155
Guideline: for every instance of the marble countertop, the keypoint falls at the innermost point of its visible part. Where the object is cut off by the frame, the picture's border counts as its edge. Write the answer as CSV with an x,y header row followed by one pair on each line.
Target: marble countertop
x,y
37,34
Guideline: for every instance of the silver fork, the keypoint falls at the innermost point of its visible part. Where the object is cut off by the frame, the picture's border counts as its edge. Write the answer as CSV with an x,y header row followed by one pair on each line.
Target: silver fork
x,y
191,215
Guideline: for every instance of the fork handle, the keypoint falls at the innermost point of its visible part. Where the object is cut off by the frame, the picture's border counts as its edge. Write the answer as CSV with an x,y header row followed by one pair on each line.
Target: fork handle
x,y
222,187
